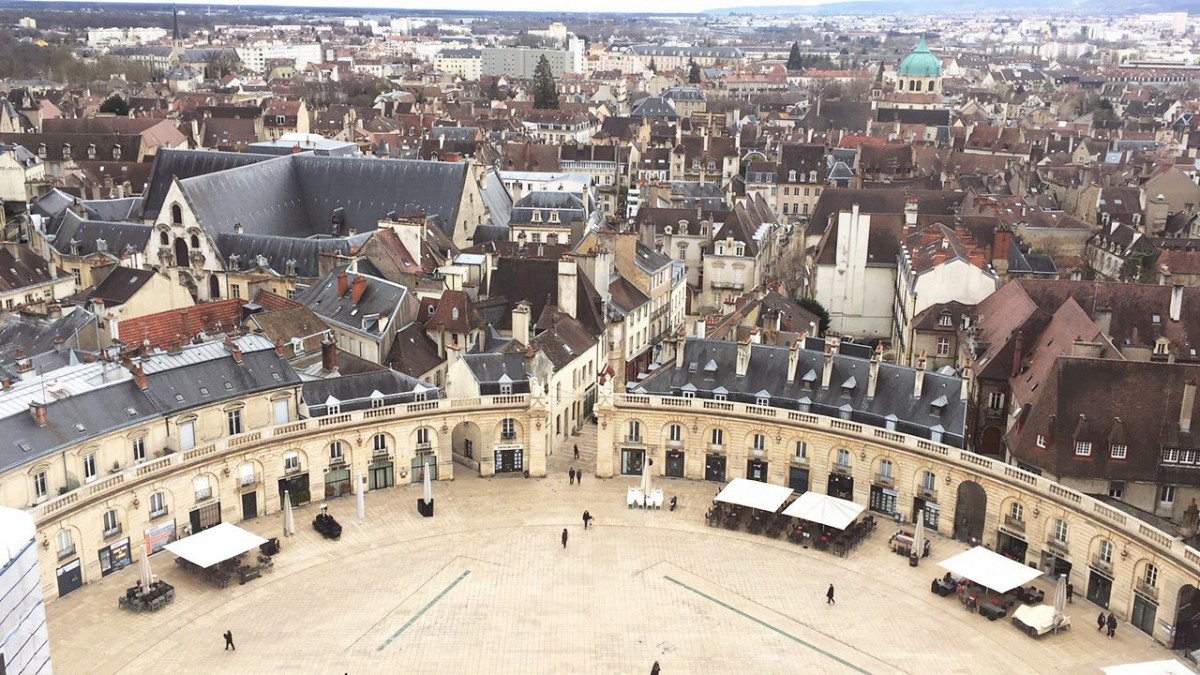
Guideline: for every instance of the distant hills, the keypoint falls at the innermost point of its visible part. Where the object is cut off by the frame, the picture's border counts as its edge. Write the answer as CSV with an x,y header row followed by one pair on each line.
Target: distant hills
x,y
934,7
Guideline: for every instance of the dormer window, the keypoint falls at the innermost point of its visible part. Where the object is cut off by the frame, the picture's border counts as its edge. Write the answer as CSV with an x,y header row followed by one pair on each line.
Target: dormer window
x,y
91,151
1083,449
945,319
66,150
554,216
712,165
505,389
116,153
1160,347
696,164
792,176
1041,441
812,176
42,151
537,216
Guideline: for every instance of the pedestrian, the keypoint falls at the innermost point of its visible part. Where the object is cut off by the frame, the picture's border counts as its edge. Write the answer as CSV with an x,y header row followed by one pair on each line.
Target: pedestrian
x,y
572,473
829,596
576,451
229,641
1112,625
1070,592
579,477
654,670
1100,622
564,537
587,520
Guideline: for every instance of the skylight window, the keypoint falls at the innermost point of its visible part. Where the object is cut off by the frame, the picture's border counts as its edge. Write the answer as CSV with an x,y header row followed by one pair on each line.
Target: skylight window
x,y
179,398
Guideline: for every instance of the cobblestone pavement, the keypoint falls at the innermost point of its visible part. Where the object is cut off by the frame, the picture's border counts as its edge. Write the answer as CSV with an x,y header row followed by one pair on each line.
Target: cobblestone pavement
x,y
486,587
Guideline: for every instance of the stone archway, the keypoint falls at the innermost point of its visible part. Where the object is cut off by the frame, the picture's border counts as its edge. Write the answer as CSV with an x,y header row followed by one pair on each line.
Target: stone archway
x,y
970,511
466,441
1187,619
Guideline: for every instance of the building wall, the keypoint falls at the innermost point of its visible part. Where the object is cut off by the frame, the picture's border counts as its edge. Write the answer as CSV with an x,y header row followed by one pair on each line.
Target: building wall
x,y
24,642
516,62
1135,544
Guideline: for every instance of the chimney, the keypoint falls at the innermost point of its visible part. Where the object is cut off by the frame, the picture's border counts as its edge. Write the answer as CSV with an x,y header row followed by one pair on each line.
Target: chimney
x,y
1189,404
910,212
567,270
139,377
967,374
873,371
827,370
743,357
1018,353
237,354
919,376
278,349
1176,302
701,329
357,288
529,360
237,228
328,354
37,410
680,343
343,283
1001,244
520,322
793,359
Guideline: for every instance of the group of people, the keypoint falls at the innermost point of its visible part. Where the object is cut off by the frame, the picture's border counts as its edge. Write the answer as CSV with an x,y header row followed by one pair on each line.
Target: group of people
x,y
1110,623
576,476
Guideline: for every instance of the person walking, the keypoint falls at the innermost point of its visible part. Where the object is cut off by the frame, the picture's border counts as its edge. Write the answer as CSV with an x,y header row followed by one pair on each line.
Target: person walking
x,y
1112,625
576,451
829,596
579,477
572,474
564,537
655,670
1070,592
1100,622
229,641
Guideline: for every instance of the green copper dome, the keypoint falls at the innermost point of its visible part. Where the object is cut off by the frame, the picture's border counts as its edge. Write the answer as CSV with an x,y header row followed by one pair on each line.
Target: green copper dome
x,y
921,63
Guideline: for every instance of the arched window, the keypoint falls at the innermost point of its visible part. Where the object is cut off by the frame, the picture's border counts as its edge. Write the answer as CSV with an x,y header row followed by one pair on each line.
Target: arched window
x,y
843,458
635,432
195,241
176,214
423,438
1104,555
379,444
335,451
1150,576
760,442
163,239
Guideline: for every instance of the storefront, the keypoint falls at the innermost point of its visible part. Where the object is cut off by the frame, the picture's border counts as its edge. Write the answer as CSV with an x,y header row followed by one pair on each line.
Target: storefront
x,y
841,486
114,557
1055,563
381,473
756,469
297,488
1011,544
1144,612
932,512
337,483
883,500
714,468
798,478
675,463
70,577
205,516
632,461
422,464
1099,587
509,458
158,536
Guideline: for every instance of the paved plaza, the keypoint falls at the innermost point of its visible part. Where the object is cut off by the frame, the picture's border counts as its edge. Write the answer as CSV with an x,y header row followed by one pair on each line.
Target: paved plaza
x,y
486,587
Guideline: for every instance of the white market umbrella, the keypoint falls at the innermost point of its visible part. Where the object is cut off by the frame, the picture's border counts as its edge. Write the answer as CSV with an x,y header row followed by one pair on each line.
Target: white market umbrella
x,y
1060,599
362,500
144,573
646,480
289,519
428,486
919,534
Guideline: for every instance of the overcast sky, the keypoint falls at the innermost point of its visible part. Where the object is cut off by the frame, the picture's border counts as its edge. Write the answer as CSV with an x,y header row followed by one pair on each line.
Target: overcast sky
x,y
396,8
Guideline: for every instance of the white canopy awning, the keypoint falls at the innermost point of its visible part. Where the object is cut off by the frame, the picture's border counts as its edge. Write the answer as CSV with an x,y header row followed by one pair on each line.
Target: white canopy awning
x,y
755,495
216,544
1167,667
824,509
990,569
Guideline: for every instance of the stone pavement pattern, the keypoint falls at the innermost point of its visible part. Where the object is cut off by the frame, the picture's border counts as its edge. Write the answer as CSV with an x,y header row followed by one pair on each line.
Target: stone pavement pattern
x,y
485,586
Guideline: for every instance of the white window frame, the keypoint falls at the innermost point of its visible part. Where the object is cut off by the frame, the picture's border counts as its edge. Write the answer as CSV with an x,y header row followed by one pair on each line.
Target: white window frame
x,y
1083,448
89,467
138,445
1061,530
40,485
158,504
1119,451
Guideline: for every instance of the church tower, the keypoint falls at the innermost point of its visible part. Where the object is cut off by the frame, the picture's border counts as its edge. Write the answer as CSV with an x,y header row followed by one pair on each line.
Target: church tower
x,y
920,72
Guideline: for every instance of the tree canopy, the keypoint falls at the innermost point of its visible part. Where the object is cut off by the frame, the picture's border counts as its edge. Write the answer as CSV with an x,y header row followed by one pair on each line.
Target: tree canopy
x,y
795,59
693,72
545,89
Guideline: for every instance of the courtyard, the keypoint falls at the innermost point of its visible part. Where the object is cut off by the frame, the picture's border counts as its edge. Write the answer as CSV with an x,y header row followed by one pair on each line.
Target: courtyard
x,y
486,586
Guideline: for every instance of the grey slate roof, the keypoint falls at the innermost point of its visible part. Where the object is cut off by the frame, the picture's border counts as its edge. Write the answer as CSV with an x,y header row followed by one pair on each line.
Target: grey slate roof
x,y
92,235
381,298
490,369
275,252
768,369
221,378
353,392
654,106
297,195
183,164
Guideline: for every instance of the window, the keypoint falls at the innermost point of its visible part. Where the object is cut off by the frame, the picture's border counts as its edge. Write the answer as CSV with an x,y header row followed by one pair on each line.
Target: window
x,y
66,544
77,275
1105,553
996,402
203,488
675,433
112,524
945,319
718,437
335,452
719,397
89,467
762,400
379,444
423,438
1083,449
1060,530
508,429
1016,512
1116,489
376,402
1160,347
234,420
291,462
1119,451
505,389
235,290
760,442
39,485
801,451
246,474
635,432
176,214
139,449
1166,496
158,504
1150,578
885,469
928,481
843,458
943,346
1041,441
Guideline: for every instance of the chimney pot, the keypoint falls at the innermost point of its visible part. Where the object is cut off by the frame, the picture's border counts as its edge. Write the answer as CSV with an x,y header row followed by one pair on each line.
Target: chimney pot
x,y
343,283
38,410
328,354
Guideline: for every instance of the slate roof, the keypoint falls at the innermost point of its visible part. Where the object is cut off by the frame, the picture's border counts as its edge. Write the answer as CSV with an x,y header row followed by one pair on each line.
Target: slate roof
x,y
183,164
121,284
21,267
276,252
654,106
564,341
39,337
489,369
91,235
355,392
297,195
381,298
768,370
413,352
